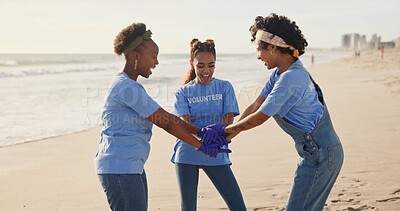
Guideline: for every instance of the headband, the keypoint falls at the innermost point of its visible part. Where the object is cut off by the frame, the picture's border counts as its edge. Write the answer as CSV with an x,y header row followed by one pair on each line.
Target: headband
x,y
137,41
275,40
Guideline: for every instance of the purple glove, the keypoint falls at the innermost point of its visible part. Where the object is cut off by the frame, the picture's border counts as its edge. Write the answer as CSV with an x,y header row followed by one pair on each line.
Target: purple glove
x,y
224,150
212,150
207,135
200,133
221,140
219,128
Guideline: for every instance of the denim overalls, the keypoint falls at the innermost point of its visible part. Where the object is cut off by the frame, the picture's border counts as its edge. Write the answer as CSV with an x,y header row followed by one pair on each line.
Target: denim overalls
x,y
320,163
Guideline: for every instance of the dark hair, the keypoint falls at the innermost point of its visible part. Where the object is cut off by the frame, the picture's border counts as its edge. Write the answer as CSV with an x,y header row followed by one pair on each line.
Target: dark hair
x,y
127,35
284,28
197,46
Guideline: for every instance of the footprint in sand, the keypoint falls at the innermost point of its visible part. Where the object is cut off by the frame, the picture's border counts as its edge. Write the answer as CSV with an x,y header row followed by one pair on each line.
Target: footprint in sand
x,y
278,196
349,196
268,208
393,83
364,207
396,192
391,199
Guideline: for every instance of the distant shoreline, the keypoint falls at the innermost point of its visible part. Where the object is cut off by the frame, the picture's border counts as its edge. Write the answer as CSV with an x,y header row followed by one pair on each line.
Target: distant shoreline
x,y
96,91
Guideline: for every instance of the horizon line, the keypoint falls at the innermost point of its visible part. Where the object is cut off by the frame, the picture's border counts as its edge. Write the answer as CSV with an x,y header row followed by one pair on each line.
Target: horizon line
x,y
168,53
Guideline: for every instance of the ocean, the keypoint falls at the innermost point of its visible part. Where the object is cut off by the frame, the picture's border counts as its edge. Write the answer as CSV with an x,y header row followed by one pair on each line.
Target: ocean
x,y
48,95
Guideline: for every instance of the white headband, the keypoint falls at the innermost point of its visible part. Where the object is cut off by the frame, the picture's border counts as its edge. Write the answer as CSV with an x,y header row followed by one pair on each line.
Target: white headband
x,y
275,40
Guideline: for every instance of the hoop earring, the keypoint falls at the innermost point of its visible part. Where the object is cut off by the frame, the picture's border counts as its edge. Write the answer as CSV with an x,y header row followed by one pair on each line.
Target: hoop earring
x,y
272,52
135,67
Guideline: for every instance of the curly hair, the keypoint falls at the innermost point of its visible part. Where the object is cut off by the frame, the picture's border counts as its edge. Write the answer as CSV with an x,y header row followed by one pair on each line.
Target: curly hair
x,y
197,46
282,27
127,35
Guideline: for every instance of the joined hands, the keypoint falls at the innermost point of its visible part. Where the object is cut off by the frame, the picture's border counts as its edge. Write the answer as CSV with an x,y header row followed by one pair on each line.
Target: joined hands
x,y
213,138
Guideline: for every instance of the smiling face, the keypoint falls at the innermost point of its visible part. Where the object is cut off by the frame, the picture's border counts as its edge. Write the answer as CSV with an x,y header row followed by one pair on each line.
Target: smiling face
x,y
204,65
147,58
267,55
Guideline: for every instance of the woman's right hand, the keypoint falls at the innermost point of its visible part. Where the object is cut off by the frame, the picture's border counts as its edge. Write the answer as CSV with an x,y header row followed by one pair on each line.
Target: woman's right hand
x,y
207,135
231,136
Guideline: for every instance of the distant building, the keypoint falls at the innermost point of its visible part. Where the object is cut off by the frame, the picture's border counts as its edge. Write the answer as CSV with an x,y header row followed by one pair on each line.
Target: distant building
x,y
363,42
346,41
397,42
357,42
387,44
351,41
375,41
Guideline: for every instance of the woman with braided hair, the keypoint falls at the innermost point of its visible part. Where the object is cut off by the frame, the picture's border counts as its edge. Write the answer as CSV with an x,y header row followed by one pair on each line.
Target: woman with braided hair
x,y
296,103
201,101
128,116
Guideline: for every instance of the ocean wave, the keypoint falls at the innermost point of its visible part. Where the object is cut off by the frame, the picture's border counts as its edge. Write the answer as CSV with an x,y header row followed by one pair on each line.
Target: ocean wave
x,y
50,70
52,59
8,63
72,102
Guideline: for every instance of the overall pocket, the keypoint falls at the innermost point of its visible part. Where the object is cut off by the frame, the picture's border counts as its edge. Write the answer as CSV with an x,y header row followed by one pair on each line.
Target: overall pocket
x,y
308,150
335,157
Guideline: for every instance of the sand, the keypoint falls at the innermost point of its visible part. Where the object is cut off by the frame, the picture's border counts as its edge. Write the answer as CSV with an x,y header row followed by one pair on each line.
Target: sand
x,y
363,96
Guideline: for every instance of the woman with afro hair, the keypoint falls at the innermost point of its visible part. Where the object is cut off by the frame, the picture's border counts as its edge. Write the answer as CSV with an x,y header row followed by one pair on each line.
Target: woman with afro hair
x,y
128,116
295,101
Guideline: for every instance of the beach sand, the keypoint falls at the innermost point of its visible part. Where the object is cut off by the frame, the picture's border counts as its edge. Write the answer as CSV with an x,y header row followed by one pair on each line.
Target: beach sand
x,y
363,97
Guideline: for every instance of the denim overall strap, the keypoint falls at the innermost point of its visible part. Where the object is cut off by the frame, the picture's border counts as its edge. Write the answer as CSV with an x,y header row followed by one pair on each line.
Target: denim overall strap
x,y
293,131
321,158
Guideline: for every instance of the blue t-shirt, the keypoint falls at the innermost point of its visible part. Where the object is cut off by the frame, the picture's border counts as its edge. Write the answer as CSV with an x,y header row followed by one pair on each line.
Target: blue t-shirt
x,y
292,96
206,104
124,145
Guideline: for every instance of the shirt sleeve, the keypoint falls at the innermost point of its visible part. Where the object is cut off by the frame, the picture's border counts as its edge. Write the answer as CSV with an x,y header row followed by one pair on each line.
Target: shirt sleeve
x,y
269,85
286,92
181,105
136,97
230,102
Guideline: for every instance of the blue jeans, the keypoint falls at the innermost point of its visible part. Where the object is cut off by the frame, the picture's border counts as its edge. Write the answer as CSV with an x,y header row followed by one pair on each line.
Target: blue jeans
x,y
125,191
321,159
316,173
221,176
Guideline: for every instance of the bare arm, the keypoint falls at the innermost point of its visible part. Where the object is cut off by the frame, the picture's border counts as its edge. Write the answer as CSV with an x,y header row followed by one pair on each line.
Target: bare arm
x,y
191,128
228,119
253,107
175,126
251,120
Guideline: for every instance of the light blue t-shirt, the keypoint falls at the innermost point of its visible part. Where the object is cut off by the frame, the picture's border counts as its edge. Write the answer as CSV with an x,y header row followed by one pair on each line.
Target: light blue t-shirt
x,y
292,96
206,104
124,145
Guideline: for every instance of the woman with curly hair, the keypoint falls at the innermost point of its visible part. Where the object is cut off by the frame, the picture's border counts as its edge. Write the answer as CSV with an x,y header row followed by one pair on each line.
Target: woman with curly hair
x,y
128,116
295,101
201,101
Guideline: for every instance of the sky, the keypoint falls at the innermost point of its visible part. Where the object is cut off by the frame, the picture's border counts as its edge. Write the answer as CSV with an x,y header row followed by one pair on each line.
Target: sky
x,y
90,26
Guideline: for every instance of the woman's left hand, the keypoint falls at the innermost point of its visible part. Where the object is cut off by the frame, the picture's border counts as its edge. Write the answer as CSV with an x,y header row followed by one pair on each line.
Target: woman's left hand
x,y
231,136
